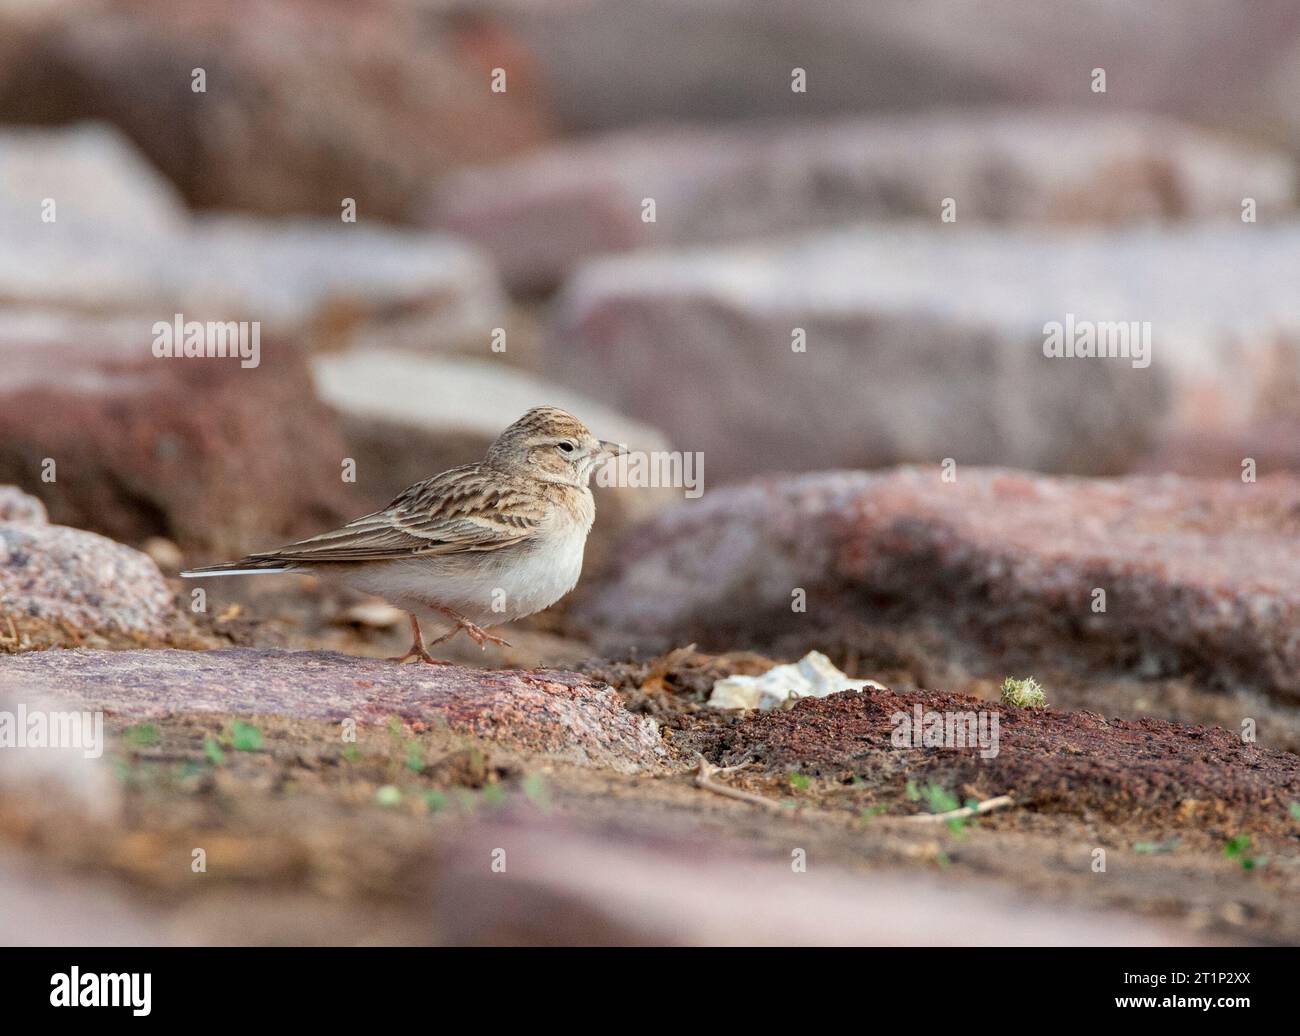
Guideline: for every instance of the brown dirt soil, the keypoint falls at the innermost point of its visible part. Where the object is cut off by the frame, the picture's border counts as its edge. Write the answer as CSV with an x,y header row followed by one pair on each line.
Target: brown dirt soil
x,y
356,837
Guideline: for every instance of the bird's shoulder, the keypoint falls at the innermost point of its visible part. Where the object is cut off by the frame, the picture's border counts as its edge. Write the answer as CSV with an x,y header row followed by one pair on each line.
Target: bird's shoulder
x,y
472,491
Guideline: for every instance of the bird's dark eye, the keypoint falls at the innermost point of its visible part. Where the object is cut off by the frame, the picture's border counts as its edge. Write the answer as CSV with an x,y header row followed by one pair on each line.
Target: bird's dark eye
x,y
564,447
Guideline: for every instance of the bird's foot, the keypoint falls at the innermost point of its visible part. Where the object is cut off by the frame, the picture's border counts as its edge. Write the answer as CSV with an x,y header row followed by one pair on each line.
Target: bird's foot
x,y
421,655
473,630
482,637
418,650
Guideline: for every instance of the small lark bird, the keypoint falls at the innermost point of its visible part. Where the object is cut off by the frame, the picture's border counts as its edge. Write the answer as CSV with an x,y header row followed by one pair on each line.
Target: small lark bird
x,y
481,544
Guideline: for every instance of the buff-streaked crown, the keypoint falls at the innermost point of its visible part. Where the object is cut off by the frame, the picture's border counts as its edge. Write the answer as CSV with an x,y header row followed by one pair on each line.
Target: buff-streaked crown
x,y
549,444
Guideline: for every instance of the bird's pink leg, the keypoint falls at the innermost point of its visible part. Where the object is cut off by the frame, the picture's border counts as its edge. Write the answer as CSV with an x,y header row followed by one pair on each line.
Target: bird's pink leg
x,y
418,650
480,636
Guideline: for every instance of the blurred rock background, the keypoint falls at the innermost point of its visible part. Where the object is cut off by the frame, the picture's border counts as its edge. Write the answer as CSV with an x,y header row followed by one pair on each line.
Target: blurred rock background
x,y
201,155
438,213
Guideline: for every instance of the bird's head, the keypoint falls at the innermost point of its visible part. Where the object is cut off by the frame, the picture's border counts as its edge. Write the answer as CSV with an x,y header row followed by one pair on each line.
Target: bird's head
x,y
551,445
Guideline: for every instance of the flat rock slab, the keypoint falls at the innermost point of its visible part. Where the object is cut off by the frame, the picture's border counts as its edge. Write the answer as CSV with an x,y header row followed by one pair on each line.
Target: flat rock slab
x,y
566,888
924,342
1199,576
620,63
557,713
1049,761
542,214
136,253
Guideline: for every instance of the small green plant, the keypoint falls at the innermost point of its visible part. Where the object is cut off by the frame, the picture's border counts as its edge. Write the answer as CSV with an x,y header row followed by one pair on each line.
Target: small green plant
x,y
493,794
415,757
244,737
351,753
389,795
1239,849
1024,694
535,790
212,751
1294,810
940,800
434,800
799,781
142,735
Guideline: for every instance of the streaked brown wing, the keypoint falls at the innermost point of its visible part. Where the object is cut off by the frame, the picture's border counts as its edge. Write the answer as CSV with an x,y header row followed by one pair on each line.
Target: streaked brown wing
x,y
459,511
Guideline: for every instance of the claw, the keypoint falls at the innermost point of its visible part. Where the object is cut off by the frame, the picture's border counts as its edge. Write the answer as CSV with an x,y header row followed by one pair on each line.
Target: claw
x,y
477,633
418,650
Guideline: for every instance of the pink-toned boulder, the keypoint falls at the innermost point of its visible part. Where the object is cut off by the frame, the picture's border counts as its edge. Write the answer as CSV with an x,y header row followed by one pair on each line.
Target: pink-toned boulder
x,y
542,214
58,575
1198,576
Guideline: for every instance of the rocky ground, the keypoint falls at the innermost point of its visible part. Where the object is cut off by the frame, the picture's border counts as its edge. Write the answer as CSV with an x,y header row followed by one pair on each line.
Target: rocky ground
x,y
428,255
338,797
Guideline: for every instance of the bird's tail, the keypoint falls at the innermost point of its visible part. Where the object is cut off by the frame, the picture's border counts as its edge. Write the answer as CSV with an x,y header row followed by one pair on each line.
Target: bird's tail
x,y
249,566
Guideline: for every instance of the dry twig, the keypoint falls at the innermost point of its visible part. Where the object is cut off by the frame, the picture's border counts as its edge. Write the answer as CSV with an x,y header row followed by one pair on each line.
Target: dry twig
x,y
987,806
703,779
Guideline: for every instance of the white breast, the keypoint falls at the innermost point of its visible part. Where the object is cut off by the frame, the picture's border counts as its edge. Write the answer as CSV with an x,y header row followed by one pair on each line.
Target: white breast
x,y
488,588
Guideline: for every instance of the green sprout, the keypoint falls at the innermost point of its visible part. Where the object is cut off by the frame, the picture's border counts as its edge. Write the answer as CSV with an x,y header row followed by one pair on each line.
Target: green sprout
x,y
415,757
1294,810
212,751
142,735
1024,694
434,800
244,737
388,795
1238,849
800,782
940,800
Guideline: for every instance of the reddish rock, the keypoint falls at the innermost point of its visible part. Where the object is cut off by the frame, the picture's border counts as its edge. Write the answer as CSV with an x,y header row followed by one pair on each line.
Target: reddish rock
x,y
60,575
205,452
556,713
542,214
306,103
1199,576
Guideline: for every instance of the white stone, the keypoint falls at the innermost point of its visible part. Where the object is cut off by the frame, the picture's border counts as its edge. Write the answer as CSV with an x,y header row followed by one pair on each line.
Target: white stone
x,y
813,676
